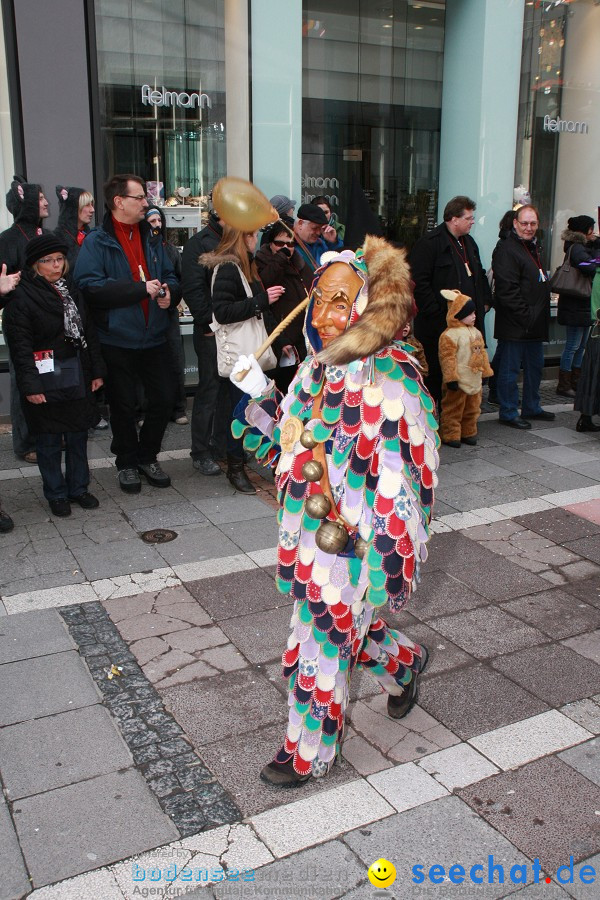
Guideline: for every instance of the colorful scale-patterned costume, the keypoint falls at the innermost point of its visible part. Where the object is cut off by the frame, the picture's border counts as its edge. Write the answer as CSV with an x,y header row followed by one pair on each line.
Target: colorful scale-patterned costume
x,y
377,424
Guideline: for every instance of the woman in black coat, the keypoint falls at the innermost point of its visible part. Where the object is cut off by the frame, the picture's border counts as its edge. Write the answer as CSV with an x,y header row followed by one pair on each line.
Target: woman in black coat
x,y
279,263
230,304
574,312
58,365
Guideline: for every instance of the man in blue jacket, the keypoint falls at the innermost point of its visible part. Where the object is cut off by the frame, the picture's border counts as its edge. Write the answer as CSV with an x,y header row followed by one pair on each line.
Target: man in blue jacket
x,y
129,284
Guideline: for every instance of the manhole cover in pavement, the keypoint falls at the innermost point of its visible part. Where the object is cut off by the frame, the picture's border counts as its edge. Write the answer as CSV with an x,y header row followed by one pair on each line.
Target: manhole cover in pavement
x,y
158,536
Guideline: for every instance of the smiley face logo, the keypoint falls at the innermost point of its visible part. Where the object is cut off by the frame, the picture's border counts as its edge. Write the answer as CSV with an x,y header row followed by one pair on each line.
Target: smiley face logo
x,y
382,873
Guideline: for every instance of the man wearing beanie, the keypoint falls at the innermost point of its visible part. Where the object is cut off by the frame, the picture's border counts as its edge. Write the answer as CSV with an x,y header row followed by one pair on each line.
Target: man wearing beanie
x,y
464,363
315,232
574,312
129,284
155,218
211,400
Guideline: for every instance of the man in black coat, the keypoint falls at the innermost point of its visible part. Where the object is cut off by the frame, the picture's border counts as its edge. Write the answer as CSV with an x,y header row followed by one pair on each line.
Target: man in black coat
x,y
26,201
444,259
522,303
211,401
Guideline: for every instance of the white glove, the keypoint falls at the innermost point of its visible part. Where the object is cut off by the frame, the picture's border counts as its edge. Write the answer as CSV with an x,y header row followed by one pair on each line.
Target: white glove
x,y
255,382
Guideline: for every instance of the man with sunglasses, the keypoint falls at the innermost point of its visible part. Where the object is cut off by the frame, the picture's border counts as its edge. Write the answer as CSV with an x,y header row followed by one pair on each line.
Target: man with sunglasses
x,y
129,284
279,262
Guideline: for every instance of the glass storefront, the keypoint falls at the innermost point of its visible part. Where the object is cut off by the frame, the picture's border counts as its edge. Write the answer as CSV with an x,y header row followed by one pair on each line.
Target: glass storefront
x,y
559,118
559,115
371,111
161,77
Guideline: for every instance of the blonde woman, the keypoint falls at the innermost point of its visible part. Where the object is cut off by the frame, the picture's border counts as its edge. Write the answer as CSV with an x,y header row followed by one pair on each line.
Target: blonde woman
x,y
231,303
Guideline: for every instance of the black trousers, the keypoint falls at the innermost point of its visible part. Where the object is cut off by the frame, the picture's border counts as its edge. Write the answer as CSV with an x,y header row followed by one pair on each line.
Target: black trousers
x,y
124,367
211,412
433,381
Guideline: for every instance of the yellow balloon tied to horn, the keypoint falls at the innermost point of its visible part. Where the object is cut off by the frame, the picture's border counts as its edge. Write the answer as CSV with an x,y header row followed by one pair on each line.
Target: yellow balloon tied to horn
x,y
241,205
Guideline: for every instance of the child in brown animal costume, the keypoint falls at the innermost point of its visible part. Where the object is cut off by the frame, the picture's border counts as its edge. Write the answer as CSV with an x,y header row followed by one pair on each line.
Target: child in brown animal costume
x,y
464,364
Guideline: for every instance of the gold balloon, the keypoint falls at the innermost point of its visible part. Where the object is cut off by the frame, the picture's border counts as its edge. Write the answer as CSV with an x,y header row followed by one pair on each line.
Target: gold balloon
x,y
240,204
318,506
312,470
308,440
331,537
360,547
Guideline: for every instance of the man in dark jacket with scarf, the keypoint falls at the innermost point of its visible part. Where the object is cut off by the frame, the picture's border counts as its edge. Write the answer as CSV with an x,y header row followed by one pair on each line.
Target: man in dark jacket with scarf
x,y
129,284
211,402
444,259
26,201
522,303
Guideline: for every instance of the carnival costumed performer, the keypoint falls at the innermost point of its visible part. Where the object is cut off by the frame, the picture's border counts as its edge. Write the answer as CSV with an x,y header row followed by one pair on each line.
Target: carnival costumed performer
x,y
355,444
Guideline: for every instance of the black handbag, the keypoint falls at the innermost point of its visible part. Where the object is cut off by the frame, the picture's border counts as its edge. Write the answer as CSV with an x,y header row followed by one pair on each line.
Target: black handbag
x,y
567,279
66,382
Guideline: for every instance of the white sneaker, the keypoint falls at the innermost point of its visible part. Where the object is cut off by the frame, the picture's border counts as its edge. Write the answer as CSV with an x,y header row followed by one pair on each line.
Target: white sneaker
x,y
182,420
102,425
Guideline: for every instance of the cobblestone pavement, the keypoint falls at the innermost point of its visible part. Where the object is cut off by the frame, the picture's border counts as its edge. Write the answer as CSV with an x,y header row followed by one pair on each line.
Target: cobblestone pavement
x,y
140,692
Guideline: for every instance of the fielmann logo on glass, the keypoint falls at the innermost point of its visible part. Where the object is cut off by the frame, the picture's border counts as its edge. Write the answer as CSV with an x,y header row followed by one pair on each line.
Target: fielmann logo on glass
x,y
477,874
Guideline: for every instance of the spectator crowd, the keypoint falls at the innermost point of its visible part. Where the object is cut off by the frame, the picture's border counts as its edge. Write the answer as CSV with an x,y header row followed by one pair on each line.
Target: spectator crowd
x,y
91,321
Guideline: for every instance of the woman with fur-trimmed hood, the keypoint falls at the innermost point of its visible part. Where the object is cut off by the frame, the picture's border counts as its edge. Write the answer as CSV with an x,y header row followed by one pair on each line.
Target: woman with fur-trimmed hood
x,y
574,312
354,447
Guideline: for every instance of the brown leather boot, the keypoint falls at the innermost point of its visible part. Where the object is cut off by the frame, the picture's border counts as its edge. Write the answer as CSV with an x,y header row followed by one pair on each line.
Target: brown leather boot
x,y
575,374
563,388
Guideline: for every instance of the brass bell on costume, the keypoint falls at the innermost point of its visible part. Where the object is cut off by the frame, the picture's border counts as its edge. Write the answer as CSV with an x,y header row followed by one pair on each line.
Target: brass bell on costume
x,y
331,537
360,547
307,439
318,506
312,470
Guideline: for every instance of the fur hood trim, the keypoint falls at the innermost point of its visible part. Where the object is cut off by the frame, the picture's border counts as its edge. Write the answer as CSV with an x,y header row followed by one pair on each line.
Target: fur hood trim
x,y
212,260
574,237
388,309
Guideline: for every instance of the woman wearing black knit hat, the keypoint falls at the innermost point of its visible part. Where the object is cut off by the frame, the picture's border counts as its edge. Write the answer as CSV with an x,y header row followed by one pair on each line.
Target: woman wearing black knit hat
x,y
574,312
58,365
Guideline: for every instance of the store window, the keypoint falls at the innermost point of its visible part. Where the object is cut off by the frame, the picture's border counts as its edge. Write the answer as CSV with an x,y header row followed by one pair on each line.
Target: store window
x,y
161,76
559,116
371,112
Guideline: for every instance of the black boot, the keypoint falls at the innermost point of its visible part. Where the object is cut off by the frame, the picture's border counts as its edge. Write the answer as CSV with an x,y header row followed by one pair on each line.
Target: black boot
x,y
564,388
584,423
237,476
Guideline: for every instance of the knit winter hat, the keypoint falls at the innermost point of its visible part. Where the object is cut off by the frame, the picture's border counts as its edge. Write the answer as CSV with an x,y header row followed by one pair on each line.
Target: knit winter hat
x,y
282,203
466,310
152,211
41,245
580,223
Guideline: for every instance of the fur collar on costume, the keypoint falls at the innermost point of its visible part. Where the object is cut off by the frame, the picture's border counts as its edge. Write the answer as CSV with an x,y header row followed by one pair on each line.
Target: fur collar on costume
x,y
377,315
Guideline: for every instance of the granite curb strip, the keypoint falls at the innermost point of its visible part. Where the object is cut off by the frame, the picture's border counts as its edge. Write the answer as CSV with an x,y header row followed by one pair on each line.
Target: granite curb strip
x,y
185,788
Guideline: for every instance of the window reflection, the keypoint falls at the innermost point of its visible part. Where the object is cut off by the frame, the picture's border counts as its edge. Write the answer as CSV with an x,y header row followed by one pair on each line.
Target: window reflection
x,y
372,91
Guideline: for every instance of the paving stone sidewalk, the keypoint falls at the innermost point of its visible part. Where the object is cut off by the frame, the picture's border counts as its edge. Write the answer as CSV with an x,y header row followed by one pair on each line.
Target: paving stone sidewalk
x,y
107,778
